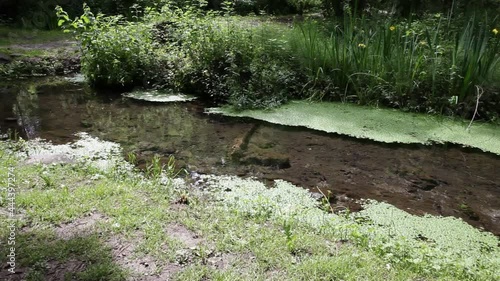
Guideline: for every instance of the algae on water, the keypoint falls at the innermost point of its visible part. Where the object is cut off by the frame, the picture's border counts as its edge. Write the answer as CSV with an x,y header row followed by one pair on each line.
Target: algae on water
x,y
100,154
159,96
384,125
77,78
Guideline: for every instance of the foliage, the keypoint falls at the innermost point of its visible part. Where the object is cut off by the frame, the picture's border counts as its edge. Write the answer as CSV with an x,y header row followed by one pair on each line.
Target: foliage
x,y
410,65
114,52
34,13
407,8
271,7
232,62
188,50
40,13
301,6
474,58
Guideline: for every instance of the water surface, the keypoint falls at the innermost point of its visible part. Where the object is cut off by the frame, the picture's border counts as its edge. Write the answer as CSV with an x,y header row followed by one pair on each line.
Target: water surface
x,y
440,180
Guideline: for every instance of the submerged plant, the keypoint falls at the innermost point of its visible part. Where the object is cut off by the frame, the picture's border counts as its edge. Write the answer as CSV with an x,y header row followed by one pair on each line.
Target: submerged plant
x,y
155,168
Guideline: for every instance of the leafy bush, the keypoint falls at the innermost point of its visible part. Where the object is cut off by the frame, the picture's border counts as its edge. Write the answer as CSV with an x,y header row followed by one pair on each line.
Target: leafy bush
x,y
245,7
269,84
40,13
114,52
273,7
240,64
302,5
412,65
221,59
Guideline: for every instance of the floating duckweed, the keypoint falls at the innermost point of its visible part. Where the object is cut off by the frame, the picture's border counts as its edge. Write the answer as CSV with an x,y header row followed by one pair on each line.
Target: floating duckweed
x,y
100,154
383,125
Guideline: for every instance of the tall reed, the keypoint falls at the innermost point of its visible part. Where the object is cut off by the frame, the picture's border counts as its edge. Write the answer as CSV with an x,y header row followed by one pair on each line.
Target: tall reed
x,y
409,64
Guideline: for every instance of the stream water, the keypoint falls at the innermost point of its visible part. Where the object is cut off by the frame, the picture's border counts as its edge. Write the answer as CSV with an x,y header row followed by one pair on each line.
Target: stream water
x,y
440,180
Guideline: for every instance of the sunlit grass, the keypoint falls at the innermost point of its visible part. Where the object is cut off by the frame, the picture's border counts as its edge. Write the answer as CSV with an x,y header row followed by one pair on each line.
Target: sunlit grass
x,y
244,230
13,35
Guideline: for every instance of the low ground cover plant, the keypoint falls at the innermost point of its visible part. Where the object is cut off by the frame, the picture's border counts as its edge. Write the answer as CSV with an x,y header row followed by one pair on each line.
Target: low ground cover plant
x,y
88,211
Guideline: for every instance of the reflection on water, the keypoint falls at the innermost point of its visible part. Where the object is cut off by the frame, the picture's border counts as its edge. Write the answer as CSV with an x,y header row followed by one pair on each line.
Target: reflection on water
x,y
27,113
419,179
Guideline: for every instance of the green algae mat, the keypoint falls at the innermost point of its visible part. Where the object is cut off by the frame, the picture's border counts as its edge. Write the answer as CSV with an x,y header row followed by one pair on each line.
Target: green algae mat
x,y
159,96
383,125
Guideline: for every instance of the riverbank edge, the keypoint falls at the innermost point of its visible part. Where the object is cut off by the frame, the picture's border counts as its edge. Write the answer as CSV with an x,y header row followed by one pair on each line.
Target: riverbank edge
x,y
71,201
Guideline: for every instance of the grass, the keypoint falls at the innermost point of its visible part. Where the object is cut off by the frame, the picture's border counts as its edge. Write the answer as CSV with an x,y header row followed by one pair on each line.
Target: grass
x,y
227,229
40,248
36,52
15,36
26,52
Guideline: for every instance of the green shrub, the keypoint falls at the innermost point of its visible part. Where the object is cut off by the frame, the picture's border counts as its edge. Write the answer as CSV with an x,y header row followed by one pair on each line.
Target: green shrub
x,y
301,6
264,83
114,52
242,66
221,59
412,65
245,7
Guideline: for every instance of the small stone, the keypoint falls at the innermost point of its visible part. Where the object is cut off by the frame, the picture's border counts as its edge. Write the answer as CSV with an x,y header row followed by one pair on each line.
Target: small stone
x,y
316,195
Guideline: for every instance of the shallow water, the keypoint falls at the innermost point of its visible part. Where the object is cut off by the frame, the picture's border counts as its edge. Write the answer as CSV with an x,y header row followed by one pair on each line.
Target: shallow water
x,y
445,180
